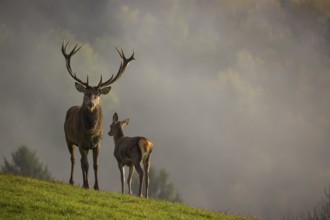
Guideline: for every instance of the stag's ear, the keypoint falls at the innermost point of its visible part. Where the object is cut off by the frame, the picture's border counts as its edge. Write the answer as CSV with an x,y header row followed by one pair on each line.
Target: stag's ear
x,y
115,117
105,90
125,122
80,87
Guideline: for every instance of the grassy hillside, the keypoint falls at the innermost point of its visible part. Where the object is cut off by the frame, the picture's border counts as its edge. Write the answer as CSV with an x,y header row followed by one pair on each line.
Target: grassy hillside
x,y
26,198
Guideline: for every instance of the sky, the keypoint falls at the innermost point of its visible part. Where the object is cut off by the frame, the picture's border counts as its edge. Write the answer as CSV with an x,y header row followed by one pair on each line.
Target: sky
x,y
233,94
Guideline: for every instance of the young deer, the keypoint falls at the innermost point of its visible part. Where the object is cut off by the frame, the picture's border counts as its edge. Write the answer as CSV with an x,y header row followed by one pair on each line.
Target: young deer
x,y
131,151
83,124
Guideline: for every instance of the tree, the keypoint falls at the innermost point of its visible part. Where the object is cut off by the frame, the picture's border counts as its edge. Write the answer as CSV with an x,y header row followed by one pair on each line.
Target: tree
x,y
160,186
319,212
322,211
26,163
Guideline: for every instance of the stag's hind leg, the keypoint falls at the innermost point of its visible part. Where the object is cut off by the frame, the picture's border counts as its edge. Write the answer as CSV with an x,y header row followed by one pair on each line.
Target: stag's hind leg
x,y
95,166
71,148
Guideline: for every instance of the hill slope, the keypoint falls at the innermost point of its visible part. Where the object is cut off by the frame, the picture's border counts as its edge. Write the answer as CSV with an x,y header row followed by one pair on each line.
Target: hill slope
x,y
26,198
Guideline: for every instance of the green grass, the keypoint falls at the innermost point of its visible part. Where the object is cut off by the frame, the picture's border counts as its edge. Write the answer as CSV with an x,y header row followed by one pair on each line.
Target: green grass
x,y
27,198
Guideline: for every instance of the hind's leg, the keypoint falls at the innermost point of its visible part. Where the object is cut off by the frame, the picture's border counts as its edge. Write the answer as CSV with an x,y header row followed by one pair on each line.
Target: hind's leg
x,y
71,148
129,179
122,176
139,170
146,164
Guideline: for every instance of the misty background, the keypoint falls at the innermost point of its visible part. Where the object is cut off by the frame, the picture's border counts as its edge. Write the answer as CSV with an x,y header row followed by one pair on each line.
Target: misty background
x,y
234,94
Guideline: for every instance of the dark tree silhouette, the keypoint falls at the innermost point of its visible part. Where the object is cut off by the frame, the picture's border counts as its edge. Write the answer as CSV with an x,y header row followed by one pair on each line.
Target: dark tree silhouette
x,y
26,163
320,212
160,186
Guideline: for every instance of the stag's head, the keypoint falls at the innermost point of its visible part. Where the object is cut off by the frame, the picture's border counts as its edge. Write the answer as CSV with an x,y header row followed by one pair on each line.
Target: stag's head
x,y
92,93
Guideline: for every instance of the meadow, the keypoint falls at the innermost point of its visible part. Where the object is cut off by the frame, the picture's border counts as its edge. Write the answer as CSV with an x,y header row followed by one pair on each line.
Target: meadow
x,y
28,198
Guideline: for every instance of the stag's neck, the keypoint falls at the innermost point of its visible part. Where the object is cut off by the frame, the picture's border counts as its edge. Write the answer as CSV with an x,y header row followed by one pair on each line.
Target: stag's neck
x,y
91,120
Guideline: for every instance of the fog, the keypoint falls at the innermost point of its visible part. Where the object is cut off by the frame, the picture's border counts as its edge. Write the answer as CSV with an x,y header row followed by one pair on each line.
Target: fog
x,y
234,94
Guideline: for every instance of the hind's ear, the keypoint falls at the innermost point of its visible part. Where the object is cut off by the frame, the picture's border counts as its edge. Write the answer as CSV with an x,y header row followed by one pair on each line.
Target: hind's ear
x,y
115,117
125,122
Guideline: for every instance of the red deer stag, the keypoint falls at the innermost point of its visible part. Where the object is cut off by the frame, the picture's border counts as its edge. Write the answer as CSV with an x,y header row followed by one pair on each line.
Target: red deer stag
x,y
83,124
131,151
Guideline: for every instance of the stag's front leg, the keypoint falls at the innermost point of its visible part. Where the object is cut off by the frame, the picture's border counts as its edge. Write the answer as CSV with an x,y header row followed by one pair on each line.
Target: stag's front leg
x,y
95,166
129,179
84,166
122,176
71,148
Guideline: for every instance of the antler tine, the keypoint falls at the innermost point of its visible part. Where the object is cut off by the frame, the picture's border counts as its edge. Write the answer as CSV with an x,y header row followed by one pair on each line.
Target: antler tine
x,y
74,50
123,64
100,83
67,57
100,80
121,52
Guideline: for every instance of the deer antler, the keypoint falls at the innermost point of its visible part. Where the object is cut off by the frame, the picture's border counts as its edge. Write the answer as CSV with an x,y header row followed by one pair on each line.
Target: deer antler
x,y
123,65
67,57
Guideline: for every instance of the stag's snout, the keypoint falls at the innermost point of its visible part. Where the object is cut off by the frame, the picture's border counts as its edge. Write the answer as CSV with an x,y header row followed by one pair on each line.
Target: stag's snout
x,y
92,102
90,105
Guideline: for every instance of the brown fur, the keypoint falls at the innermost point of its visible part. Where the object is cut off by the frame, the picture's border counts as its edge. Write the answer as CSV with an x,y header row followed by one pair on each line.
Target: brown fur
x,y
131,152
145,145
83,128
83,124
